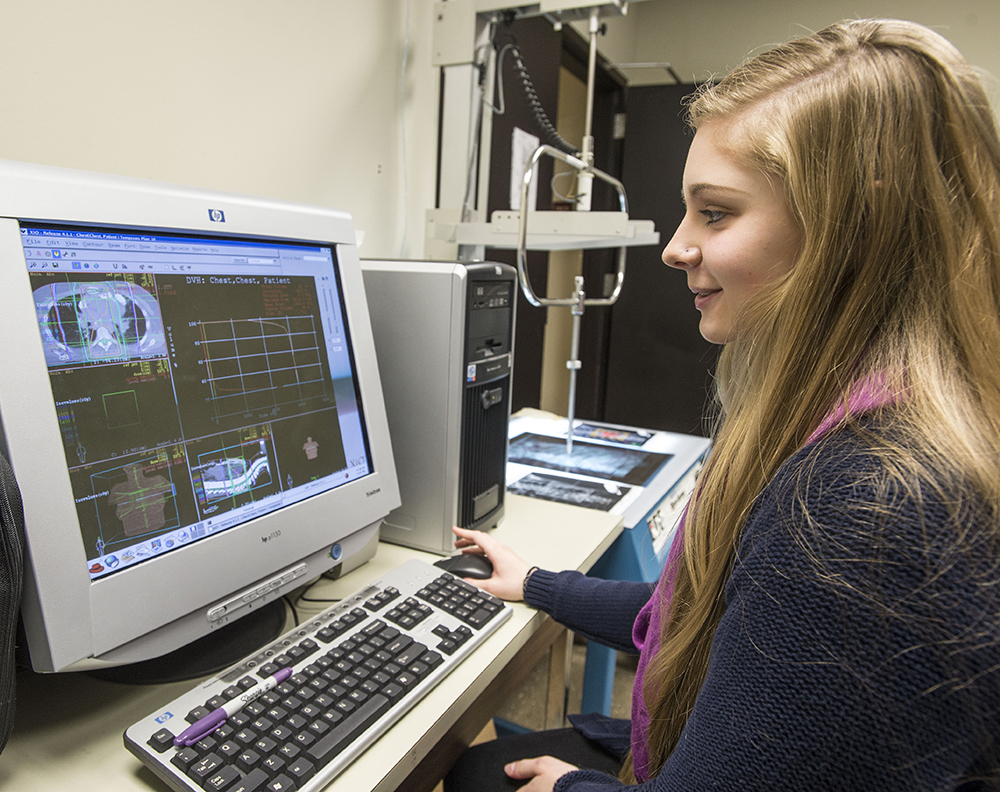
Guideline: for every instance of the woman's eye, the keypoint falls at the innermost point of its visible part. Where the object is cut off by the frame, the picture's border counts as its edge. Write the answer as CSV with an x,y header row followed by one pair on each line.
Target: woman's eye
x,y
712,215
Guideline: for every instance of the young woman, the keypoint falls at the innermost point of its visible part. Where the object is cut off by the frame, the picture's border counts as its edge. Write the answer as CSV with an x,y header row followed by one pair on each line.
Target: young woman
x,y
829,613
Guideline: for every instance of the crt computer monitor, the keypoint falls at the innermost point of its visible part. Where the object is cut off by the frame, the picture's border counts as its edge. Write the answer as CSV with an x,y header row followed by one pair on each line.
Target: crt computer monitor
x,y
191,405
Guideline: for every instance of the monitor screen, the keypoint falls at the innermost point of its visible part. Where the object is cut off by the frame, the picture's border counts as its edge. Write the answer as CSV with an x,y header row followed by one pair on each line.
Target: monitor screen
x,y
197,382
197,424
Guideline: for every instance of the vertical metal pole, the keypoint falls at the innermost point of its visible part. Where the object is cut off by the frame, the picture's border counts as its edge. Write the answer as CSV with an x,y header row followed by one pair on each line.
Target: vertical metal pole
x,y
584,191
591,75
585,179
573,364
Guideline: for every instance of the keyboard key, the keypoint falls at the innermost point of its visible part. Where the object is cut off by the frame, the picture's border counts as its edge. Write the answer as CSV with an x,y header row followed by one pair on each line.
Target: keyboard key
x,y
262,725
281,733
184,758
254,781
224,779
392,691
205,745
332,716
388,633
398,645
274,765
265,746
281,784
205,768
431,659
197,714
341,736
161,741
248,760
245,737
411,653
319,728
301,770
239,720
448,646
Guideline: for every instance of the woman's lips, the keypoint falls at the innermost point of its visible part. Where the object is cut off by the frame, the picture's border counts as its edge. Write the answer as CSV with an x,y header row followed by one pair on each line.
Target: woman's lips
x,y
703,297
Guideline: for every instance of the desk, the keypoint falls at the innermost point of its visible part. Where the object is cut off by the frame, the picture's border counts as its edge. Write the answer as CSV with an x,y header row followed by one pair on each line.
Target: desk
x,y
68,731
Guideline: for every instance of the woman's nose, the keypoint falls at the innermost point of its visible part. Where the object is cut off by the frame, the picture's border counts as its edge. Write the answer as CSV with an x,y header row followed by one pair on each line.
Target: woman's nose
x,y
681,255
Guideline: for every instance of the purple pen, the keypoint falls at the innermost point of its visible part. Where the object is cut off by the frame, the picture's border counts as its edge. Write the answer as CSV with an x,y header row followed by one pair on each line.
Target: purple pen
x,y
205,726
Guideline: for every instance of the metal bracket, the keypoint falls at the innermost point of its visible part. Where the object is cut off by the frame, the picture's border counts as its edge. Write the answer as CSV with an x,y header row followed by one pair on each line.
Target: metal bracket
x,y
522,230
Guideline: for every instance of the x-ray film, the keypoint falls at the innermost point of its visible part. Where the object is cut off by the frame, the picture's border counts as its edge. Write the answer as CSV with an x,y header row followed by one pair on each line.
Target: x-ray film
x,y
627,465
602,496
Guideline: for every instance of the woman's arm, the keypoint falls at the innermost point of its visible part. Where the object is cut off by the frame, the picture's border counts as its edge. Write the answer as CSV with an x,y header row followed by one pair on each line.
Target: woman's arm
x,y
599,610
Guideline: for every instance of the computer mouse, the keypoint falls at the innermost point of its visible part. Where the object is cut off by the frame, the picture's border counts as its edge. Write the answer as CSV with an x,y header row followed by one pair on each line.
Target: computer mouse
x,y
467,565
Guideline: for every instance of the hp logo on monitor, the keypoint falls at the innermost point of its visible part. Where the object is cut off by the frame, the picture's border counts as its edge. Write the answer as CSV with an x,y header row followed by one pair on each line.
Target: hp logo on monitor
x,y
216,215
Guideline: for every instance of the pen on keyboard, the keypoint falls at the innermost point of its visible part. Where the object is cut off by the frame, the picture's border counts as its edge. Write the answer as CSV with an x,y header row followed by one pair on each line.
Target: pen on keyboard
x,y
205,726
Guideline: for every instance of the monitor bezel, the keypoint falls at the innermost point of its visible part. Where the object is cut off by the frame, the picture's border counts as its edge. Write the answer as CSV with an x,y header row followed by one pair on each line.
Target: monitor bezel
x,y
158,605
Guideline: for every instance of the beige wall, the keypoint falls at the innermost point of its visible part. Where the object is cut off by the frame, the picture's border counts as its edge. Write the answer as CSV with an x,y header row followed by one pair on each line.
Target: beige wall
x,y
290,99
705,39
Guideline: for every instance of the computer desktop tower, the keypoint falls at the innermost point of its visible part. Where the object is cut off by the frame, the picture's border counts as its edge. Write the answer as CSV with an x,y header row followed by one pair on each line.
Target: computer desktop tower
x,y
444,334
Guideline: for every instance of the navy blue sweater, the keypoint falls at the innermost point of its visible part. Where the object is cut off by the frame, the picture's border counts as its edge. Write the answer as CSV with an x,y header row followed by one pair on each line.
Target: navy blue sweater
x,y
859,648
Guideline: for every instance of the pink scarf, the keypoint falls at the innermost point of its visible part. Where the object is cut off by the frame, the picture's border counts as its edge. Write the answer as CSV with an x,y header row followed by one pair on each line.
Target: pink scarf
x,y
647,624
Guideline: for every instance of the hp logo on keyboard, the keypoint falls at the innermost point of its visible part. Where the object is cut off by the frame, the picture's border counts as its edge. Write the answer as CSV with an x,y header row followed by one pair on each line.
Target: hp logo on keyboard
x,y
161,719
216,215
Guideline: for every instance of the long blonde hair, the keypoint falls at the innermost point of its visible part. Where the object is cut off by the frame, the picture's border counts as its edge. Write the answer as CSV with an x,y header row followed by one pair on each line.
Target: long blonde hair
x,y
887,147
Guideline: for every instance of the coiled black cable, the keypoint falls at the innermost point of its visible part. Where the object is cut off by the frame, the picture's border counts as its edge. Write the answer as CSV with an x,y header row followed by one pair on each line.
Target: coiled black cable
x,y
552,137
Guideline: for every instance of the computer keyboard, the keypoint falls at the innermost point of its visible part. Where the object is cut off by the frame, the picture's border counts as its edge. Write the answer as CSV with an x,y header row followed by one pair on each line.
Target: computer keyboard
x,y
355,669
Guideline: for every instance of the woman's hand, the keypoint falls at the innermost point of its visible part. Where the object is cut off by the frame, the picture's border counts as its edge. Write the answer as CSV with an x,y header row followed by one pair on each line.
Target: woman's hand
x,y
543,771
509,568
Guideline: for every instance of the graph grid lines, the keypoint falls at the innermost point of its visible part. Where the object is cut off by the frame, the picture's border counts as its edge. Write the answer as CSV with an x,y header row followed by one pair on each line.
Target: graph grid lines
x,y
262,364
